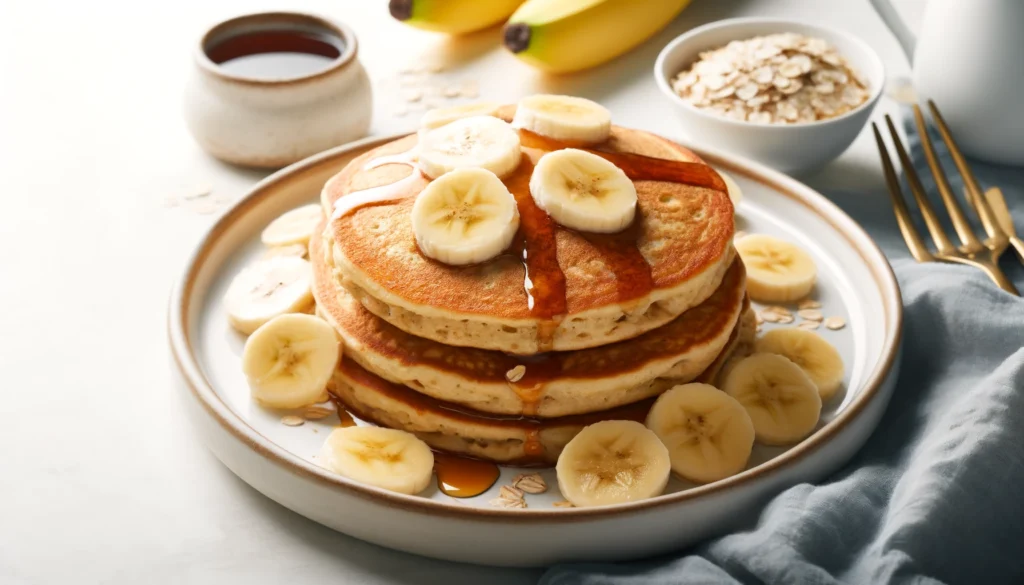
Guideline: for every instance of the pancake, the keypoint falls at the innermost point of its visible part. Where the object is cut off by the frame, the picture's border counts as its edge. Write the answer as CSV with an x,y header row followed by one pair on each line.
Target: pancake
x,y
555,384
584,290
505,440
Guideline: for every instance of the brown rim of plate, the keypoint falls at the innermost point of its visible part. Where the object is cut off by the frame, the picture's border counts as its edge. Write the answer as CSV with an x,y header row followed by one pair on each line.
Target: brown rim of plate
x,y
179,334
286,19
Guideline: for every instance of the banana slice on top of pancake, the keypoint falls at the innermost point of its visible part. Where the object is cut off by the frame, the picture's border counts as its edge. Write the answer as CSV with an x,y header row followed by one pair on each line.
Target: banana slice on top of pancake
x,y
709,435
464,217
386,458
612,462
443,116
583,191
562,117
476,142
289,360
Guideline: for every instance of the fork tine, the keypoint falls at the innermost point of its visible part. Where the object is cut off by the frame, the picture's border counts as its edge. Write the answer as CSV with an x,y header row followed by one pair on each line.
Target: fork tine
x,y
988,219
956,214
910,234
930,219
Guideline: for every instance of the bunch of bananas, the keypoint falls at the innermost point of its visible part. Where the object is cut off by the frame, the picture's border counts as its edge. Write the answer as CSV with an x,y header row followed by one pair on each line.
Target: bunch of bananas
x,y
558,36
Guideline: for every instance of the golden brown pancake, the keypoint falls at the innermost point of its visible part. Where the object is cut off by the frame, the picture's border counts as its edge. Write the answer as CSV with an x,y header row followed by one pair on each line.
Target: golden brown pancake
x,y
684,236
552,385
506,440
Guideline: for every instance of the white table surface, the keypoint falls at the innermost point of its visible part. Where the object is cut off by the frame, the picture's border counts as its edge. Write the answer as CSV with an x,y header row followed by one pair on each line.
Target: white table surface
x,y
101,478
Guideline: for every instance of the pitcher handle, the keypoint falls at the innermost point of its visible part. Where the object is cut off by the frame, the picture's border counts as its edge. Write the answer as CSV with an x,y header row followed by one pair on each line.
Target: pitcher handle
x,y
899,29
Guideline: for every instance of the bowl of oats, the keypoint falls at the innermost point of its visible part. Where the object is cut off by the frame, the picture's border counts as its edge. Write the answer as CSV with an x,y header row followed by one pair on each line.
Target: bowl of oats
x,y
789,94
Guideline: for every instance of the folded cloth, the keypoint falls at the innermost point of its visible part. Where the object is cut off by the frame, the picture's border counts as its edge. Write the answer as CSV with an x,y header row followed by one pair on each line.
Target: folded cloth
x,y
935,495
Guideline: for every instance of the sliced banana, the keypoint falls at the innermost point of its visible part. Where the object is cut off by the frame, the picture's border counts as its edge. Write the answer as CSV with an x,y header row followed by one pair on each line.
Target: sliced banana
x,y
733,188
583,191
811,352
565,118
289,360
464,217
293,227
386,458
612,462
781,399
480,141
266,289
777,271
442,116
709,435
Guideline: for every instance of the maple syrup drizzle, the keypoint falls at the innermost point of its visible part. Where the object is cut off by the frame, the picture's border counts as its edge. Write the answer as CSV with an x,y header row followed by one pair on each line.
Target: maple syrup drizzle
x,y
344,417
461,477
533,448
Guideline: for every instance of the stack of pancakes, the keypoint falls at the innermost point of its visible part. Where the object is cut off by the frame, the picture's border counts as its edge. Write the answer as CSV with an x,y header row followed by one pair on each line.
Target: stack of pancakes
x,y
465,358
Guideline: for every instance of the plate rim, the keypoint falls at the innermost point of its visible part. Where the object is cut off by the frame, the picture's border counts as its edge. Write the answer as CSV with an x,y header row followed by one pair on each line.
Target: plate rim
x,y
185,360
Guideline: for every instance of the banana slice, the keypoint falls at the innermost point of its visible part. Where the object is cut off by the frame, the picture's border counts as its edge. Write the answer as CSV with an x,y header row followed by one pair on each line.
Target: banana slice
x,y
709,435
386,458
811,352
777,271
733,188
612,462
782,401
464,217
266,289
289,360
583,191
293,227
480,141
442,116
564,118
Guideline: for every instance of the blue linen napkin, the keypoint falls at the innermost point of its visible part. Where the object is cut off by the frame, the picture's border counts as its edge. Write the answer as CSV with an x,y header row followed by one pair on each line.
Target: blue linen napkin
x,y
937,493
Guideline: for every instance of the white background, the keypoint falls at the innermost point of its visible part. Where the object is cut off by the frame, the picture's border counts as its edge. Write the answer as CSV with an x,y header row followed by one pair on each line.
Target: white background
x,y
101,478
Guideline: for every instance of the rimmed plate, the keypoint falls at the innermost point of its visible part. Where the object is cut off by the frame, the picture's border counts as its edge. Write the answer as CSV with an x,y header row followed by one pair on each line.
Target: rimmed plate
x,y
855,283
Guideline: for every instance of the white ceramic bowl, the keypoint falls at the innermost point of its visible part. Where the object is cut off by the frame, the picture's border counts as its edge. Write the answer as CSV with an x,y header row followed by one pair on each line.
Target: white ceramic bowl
x,y
791,148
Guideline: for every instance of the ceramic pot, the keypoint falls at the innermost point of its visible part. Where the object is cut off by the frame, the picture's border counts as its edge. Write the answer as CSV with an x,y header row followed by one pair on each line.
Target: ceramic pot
x,y
269,122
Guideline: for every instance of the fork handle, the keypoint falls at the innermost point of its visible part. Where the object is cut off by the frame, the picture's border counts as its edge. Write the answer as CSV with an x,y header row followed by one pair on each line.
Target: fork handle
x,y
1018,245
999,278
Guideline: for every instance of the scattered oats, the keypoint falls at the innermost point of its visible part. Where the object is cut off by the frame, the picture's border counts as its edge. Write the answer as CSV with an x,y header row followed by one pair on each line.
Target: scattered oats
x,y
809,304
470,89
434,68
290,250
563,504
809,325
516,373
779,78
779,310
531,483
206,208
835,323
510,492
810,314
292,421
197,193
785,319
506,503
769,317
414,95
317,413
451,92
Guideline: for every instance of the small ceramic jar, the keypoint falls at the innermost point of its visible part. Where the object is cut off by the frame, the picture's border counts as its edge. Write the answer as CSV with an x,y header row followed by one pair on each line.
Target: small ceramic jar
x,y
270,121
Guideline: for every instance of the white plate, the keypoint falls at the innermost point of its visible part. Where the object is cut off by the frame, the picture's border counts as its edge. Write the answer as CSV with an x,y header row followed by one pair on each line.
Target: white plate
x,y
855,282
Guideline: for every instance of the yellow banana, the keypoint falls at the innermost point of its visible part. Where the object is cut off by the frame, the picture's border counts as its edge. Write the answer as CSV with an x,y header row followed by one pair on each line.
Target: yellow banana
x,y
560,36
452,16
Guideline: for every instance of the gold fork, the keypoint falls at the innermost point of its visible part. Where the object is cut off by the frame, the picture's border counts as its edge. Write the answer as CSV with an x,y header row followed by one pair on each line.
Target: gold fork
x,y
998,204
973,251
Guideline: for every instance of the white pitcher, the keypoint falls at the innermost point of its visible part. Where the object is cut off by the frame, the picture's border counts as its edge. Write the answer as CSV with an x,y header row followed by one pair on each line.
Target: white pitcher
x,y
969,59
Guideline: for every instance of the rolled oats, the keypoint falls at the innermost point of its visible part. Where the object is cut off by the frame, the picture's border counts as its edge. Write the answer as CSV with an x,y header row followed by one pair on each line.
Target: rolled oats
x,y
776,79
531,483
